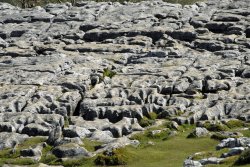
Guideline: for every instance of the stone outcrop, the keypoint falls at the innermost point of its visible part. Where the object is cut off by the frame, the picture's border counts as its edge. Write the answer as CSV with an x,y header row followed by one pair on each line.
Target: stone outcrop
x,y
94,70
235,145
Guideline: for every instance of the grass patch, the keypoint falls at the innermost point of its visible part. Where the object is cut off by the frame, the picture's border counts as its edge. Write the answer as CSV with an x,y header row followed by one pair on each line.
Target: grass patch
x,y
215,127
152,115
171,125
47,157
81,162
108,73
78,162
235,124
162,134
145,121
118,156
148,120
20,161
207,154
31,142
91,145
66,122
246,133
6,157
218,136
170,152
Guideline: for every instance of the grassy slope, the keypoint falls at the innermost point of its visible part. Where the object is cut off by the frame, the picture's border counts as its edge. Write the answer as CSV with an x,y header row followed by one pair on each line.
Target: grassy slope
x,y
169,153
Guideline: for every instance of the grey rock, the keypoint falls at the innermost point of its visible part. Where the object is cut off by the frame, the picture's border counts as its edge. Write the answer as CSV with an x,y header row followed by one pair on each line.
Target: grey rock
x,y
191,163
123,127
118,143
211,160
66,140
218,27
233,151
69,150
211,45
9,140
230,134
199,132
99,124
55,135
75,131
174,125
34,153
234,142
3,43
248,32
185,34
102,136
246,73
35,130
189,63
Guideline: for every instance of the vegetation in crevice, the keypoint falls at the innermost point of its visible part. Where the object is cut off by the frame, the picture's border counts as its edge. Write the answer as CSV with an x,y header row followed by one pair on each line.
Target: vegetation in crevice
x,y
148,120
108,73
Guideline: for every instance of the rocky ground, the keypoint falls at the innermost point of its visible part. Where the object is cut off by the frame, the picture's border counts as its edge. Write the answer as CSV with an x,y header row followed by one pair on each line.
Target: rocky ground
x,y
97,70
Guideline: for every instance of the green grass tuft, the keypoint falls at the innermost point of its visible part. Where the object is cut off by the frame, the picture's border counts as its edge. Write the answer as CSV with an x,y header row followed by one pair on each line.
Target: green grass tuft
x,y
244,158
235,124
215,127
91,145
218,136
116,157
108,73
144,122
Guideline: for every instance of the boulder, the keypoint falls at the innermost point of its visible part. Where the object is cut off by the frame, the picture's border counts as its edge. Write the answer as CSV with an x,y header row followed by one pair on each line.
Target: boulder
x,y
34,153
55,135
35,130
69,150
118,143
199,132
66,140
10,140
76,131
234,142
102,136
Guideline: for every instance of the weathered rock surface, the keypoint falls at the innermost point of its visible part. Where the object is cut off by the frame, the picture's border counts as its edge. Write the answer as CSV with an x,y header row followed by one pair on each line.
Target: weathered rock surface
x,y
234,142
191,163
34,153
199,132
69,150
211,160
96,69
233,151
9,140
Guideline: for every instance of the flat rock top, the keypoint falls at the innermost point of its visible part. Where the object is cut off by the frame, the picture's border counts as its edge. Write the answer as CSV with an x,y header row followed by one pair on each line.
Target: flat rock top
x,y
98,63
